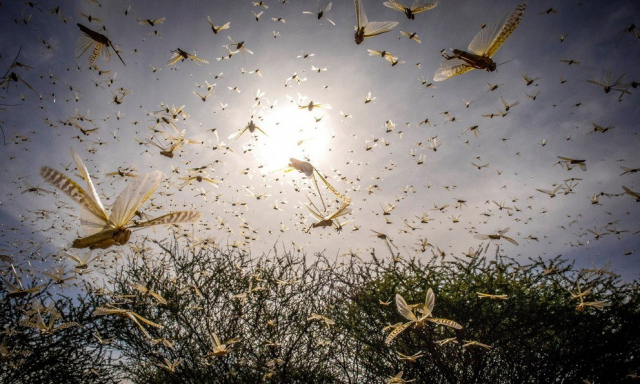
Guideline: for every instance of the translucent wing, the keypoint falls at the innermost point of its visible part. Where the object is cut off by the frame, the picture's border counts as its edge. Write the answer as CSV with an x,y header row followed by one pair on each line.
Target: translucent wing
x,y
172,218
404,309
133,196
342,211
85,175
512,241
216,341
66,325
416,8
447,322
97,48
92,217
263,132
331,188
393,4
314,211
429,302
148,322
490,38
396,332
450,68
12,288
101,311
630,192
196,58
236,135
378,27
328,8
174,59
84,43
360,15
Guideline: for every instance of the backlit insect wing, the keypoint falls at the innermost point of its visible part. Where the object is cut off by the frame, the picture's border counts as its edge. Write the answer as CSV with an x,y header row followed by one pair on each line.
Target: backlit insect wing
x,y
418,6
199,60
93,217
130,200
171,218
485,237
102,231
310,172
631,193
17,290
324,13
84,43
451,68
445,322
234,136
98,40
396,332
501,234
217,29
366,29
512,241
404,309
175,58
490,39
484,44
429,303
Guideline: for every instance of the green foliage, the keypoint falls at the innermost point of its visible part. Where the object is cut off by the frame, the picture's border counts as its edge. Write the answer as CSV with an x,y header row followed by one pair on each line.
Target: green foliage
x,y
537,335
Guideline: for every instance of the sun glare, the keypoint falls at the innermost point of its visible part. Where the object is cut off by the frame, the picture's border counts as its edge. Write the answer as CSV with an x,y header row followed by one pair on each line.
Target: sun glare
x,y
292,132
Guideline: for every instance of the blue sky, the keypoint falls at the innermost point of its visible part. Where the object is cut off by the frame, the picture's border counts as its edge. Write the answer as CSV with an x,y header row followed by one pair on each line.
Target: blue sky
x,y
562,115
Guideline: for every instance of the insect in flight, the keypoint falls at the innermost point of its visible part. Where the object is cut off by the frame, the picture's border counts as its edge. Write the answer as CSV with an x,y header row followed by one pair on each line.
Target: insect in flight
x,y
417,7
98,41
217,28
311,172
321,12
426,309
481,49
332,219
251,127
102,230
499,235
179,54
365,28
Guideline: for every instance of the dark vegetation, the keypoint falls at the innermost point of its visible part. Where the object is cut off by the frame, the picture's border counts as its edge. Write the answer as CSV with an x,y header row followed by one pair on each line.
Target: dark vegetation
x,y
262,309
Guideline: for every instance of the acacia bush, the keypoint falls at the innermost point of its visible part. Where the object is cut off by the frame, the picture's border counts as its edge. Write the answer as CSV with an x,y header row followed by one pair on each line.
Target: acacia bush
x,y
268,311
70,355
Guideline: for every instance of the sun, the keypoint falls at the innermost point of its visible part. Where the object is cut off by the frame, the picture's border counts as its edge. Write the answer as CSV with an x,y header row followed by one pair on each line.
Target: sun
x,y
292,132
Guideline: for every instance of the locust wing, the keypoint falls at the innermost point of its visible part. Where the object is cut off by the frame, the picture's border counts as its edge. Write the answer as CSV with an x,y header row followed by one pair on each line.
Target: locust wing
x,y
396,332
172,218
491,38
418,6
429,303
175,58
374,28
446,322
93,218
450,68
133,196
404,309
